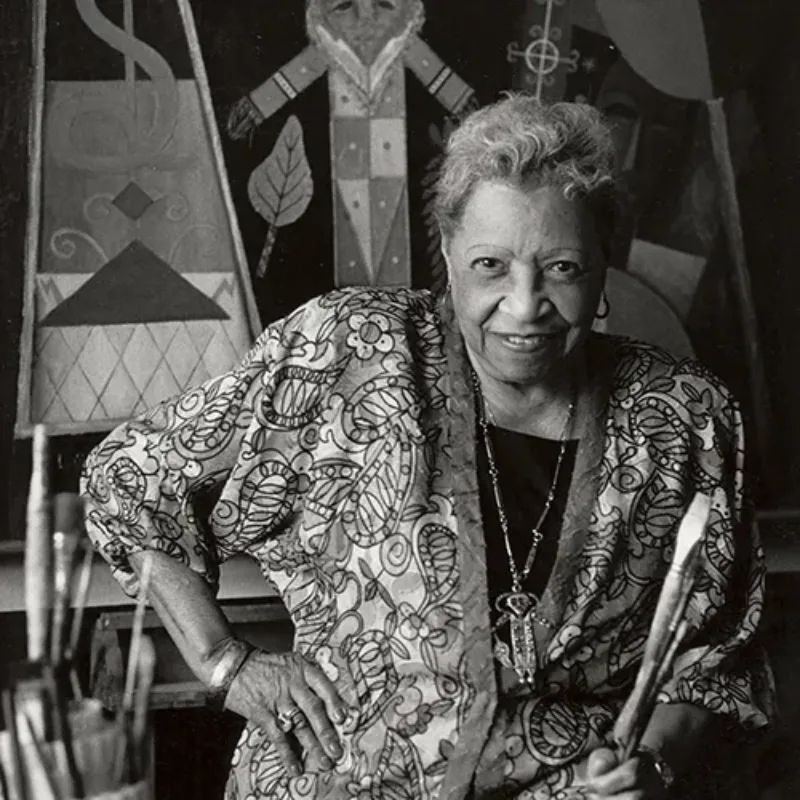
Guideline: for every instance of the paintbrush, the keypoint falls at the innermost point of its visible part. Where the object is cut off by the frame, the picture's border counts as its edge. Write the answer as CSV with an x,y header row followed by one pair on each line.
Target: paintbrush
x,y
68,516
33,686
675,592
141,705
136,632
38,574
667,629
5,791
125,745
17,768
42,765
81,595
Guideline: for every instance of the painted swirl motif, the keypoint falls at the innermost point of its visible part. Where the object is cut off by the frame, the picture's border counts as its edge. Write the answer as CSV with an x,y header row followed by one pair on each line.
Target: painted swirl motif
x,y
376,501
73,123
329,483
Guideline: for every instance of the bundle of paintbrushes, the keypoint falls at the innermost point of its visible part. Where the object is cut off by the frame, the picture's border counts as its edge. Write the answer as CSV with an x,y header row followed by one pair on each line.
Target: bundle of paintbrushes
x,y
58,744
667,631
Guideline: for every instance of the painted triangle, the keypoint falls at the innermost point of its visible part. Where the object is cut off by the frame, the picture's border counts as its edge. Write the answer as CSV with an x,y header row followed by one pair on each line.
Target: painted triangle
x,y
350,267
386,195
355,196
395,266
136,286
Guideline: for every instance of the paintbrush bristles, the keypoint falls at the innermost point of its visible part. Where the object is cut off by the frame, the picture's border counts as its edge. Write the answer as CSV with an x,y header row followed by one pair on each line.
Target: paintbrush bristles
x,y
668,628
38,561
691,529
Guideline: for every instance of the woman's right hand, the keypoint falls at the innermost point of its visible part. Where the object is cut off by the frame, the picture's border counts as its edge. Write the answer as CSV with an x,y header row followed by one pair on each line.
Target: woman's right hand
x,y
272,688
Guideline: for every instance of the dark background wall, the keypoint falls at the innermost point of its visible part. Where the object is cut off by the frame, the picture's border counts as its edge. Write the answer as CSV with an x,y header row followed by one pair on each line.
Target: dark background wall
x,y
244,41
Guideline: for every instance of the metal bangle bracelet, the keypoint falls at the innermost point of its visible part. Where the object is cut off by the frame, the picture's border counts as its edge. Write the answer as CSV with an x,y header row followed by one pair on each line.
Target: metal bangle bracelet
x,y
227,668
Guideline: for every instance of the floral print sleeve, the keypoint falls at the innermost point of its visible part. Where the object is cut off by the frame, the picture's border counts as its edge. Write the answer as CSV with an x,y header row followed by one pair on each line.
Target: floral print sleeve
x,y
141,483
722,668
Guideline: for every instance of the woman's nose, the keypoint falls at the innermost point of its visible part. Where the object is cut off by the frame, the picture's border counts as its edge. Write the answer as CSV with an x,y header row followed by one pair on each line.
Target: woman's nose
x,y
526,298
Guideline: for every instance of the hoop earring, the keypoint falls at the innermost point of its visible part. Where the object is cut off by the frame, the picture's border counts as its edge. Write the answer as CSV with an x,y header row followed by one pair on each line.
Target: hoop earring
x,y
603,307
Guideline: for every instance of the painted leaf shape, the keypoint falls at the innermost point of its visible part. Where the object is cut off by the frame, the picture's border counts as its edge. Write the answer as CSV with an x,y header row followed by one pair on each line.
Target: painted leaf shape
x,y
281,186
399,771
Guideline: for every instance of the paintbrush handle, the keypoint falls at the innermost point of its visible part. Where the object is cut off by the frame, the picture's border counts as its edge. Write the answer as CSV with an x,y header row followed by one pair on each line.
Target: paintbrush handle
x,y
68,519
38,570
43,768
671,601
144,684
64,547
17,768
81,595
630,722
5,791
635,715
136,633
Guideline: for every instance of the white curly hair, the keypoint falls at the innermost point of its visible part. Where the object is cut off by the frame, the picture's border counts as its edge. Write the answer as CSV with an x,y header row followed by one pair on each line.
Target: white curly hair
x,y
522,141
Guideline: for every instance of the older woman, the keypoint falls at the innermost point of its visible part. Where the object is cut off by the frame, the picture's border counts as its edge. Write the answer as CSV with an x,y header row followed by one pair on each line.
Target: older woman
x,y
468,505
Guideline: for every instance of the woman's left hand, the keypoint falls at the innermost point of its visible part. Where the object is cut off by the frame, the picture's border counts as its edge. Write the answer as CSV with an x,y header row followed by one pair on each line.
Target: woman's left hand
x,y
634,779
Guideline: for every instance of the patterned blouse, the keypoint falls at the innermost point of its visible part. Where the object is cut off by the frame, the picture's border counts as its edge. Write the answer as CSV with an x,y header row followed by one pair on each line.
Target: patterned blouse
x,y
344,453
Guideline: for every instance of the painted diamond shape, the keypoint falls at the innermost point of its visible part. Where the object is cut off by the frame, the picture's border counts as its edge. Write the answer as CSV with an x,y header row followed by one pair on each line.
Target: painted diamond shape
x,y
133,201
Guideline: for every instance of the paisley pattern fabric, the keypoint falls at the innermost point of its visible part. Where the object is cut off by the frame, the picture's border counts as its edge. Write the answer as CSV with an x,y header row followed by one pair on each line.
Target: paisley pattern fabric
x,y
343,451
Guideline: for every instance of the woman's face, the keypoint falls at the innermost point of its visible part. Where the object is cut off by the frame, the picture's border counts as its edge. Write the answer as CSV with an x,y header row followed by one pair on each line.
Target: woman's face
x,y
526,272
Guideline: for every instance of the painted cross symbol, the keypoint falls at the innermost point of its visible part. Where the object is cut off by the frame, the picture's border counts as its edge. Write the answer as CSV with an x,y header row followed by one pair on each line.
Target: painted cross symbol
x,y
542,56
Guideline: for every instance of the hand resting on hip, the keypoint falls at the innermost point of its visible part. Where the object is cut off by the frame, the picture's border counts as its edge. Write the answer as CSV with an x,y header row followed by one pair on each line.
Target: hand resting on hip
x,y
295,704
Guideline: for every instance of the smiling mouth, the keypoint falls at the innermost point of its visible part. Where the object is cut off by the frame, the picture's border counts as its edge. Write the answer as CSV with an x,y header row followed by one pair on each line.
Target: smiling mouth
x,y
527,344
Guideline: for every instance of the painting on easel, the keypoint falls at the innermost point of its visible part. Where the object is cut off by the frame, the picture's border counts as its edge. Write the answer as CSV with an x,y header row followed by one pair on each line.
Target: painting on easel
x,y
136,286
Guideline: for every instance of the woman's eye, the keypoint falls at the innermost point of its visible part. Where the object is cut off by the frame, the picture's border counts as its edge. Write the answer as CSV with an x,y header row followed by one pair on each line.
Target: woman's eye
x,y
488,264
344,5
565,270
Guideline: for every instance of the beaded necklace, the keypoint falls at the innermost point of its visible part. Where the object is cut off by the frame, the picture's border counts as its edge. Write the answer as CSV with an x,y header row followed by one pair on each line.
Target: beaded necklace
x,y
518,608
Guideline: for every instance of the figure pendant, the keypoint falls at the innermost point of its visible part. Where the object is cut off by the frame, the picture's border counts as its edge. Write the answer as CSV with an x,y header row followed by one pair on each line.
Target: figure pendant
x,y
519,610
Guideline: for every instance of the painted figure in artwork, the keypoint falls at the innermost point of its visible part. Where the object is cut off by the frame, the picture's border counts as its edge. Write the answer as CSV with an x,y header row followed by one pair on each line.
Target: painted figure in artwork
x,y
364,47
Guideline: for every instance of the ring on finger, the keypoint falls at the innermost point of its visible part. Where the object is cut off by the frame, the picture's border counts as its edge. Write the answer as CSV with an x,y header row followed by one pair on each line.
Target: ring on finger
x,y
289,720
